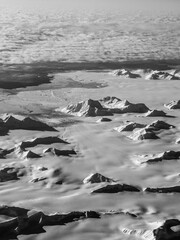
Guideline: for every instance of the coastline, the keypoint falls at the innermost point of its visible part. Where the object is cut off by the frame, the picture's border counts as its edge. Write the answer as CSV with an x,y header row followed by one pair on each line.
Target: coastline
x,y
35,74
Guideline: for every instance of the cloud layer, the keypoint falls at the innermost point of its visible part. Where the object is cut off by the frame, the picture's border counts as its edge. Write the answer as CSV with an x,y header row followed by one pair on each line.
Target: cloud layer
x,y
93,36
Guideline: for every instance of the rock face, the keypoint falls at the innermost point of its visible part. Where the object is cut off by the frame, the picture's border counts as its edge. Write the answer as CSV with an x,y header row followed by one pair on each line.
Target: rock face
x,y
12,211
44,141
168,155
22,153
174,189
58,152
119,212
154,126
158,125
3,130
173,105
143,134
155,113
104,107
30,154
126,73
165,156
125,106
110,101
97,178
25,221
104,120
4,152
159,75
19,169
39,178
170,230
115,188
18,122
8,174
7,229
89,108
129,126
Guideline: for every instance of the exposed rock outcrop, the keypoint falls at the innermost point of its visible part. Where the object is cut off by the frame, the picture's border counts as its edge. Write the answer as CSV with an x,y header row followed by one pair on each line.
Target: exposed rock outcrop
x,y
154,126
38,179
170,230
7,229
115,188
8,174
58,152
156,113
178,141
173,105
143,134
19,122
103,119
174,189
126,73
110,101
26,221
104,107
160,75
3,130
97,178
32,221
89,108
168,155
42,140
158,125
4,152
116,105
30,154
12,211
22,153
16,167
129,126
119,212
154,158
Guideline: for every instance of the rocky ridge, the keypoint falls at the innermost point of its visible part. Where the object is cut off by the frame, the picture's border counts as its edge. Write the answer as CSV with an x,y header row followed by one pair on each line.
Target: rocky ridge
x,y
125,73
173,105
160,75
155,158
97,178
11,122
104,107
143,134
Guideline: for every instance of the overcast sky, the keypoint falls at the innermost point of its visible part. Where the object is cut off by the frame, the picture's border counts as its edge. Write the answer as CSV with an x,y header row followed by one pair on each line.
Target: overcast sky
x,y
121,5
